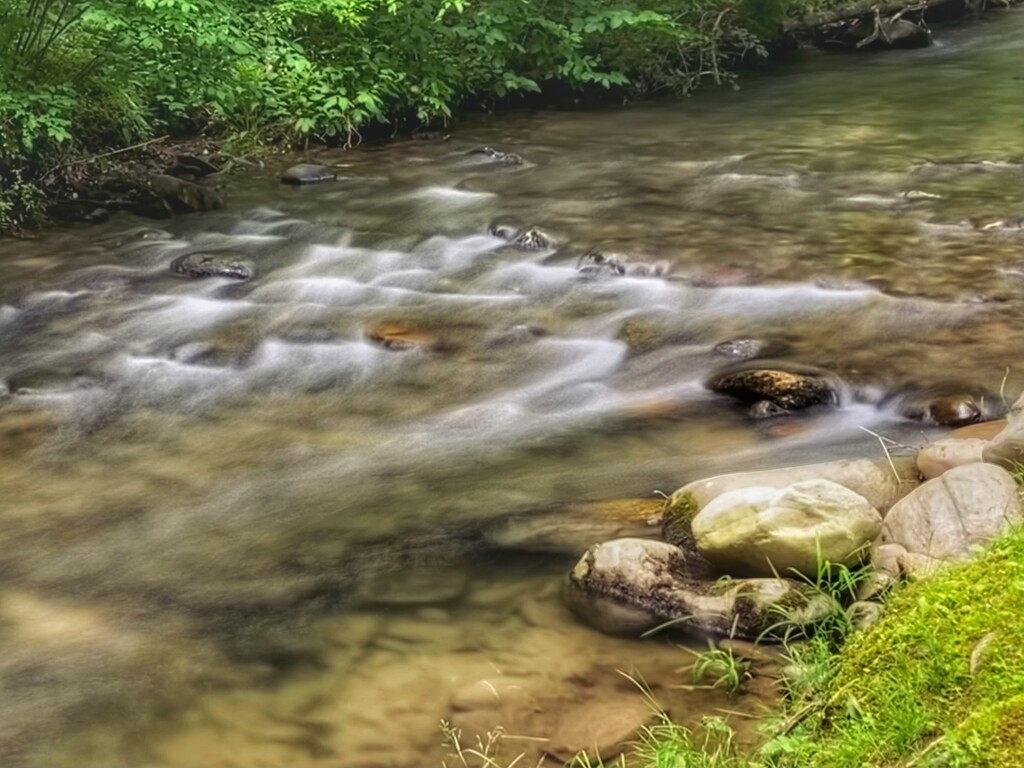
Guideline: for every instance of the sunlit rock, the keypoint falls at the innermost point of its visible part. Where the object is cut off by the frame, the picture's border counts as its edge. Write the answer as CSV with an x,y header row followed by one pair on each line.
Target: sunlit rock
x,y
763,531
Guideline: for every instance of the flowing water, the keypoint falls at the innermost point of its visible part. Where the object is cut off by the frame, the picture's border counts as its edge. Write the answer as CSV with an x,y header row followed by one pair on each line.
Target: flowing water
x,y
239,532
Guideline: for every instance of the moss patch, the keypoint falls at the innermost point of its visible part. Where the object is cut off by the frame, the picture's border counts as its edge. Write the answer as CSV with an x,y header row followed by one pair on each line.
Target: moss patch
x,y
908,691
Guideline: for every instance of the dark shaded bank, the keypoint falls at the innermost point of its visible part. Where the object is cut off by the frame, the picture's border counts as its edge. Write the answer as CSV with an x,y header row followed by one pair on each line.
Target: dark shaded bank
x,y
92,95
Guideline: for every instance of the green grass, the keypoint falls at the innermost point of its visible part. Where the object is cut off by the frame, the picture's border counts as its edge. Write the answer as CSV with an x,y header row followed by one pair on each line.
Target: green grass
x,y
904,692
720,668
938,683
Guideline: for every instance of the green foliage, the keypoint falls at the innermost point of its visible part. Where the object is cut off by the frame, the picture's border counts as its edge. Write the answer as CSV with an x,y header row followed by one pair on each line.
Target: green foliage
x,y
721,668
94,74
668,745
939,682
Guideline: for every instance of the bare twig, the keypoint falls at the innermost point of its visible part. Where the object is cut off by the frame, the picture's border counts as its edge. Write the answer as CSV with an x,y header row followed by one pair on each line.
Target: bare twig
x,y
882,441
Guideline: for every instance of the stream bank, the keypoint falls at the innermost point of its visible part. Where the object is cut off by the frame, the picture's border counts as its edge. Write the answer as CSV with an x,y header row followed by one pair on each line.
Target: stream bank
x,y
153,178
874,672
233,488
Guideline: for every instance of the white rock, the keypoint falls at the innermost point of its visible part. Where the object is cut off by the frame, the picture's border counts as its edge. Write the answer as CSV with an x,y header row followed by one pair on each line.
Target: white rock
x,y
763,531
874,480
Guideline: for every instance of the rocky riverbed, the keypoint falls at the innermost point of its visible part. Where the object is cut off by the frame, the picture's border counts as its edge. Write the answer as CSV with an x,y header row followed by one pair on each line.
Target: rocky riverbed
x,y
310,471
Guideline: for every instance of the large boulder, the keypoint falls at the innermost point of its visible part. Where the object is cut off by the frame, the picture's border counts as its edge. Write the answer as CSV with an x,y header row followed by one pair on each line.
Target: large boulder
x,y
874,480
631,586
762,531
946,518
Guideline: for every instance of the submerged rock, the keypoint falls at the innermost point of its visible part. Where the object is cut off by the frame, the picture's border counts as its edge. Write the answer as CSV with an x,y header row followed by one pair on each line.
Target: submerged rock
x,y
399,335
577,526
954,411
417,584
630,586
515,335
763,531
790,388
505,158
741,349
946,518
598,263
200,265
766,409
602,729
505,232
308,173
528,239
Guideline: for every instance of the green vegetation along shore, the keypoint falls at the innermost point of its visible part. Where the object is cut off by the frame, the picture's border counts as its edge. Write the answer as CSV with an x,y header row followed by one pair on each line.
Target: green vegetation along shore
x,y
938,682
80,78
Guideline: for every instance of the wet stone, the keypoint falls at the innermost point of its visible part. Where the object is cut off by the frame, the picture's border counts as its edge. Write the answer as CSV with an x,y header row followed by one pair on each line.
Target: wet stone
x,y
399,335
308,173
201,265
790,389
741,349
505,158
533,240
954,411
766,409
603,728
504,232
414,585
594,264
515,335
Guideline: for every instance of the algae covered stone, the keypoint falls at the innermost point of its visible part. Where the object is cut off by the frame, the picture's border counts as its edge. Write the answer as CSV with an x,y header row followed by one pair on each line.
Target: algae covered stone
x,y
763,531
631,586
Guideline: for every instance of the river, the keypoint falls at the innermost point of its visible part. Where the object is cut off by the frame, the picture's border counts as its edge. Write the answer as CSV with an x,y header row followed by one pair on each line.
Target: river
x,y
238,532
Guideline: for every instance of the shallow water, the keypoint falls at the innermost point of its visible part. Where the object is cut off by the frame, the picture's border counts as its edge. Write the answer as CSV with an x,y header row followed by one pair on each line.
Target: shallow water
x,y
237,532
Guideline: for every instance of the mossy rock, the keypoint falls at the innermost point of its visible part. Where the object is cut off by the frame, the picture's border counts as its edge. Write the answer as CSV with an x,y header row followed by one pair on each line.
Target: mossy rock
x,y
677,524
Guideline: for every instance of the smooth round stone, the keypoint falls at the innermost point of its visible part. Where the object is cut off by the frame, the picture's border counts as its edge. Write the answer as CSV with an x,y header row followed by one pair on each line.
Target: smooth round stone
x,y
954,411
603,728
764,531
942,455
308,173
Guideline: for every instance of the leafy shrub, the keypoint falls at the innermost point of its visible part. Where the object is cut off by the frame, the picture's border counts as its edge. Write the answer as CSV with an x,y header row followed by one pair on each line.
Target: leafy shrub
x,y
90,74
